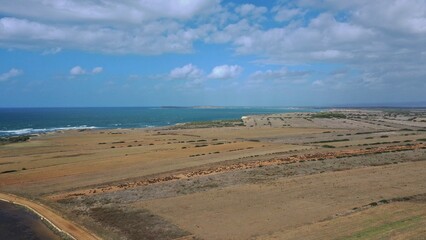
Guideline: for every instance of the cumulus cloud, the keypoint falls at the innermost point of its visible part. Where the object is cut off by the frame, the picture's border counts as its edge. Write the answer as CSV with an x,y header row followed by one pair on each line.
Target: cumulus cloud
x,y
10,74
285,14
381,40
142,27
77,70
153,38
323,37
188,71
251,10
97,70
373,39
160,26
107,11
225,72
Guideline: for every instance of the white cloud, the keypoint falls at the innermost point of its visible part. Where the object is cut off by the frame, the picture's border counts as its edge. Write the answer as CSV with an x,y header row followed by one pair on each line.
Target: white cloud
x,y
77,70
141,27
194,77
379,40
231,32
152,38
396,16
97,70
318,83
225,72
322,37
188,71
250,10
107,11
10,74
330,54
373,38
285,14
52,51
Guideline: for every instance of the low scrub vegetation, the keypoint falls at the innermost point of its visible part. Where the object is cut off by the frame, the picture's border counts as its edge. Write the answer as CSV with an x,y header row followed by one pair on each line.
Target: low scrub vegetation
x,y
328,146
14,139
334,140
328,115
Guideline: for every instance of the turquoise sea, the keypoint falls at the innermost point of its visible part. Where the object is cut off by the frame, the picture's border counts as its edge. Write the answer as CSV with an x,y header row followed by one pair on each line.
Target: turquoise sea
x,y
18,121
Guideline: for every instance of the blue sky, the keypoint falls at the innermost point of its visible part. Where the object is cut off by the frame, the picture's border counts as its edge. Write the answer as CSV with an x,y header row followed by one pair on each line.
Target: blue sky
x,y
232,53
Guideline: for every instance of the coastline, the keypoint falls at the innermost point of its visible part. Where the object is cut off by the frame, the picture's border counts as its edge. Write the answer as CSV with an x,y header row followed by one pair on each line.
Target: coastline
x,y
39,121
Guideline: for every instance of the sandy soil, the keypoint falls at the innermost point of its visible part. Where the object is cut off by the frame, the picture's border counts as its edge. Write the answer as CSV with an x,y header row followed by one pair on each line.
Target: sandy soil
x,y
399,220
242,212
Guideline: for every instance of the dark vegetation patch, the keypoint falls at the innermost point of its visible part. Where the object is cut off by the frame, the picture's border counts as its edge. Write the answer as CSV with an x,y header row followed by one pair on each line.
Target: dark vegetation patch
x,y
334,140
420,198
361,133
71,155
8,171
138,225
328,146
328,115
14,139
379,143
201,145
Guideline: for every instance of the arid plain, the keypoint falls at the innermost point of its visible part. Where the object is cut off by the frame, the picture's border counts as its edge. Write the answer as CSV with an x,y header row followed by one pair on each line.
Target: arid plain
x,y
341,174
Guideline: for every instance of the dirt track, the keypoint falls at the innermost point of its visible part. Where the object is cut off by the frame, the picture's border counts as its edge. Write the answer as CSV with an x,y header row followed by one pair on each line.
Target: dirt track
x,y
60,223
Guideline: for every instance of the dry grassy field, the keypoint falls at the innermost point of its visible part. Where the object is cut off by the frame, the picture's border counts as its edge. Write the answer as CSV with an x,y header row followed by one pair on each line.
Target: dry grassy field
x,y
341,174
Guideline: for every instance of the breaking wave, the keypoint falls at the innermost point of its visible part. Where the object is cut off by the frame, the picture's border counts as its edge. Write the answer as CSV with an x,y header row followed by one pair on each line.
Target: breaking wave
x,y
25,131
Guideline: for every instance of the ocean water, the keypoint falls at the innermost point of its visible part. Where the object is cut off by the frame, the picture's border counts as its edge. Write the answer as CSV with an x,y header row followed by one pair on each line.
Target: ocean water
x,y
18,121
